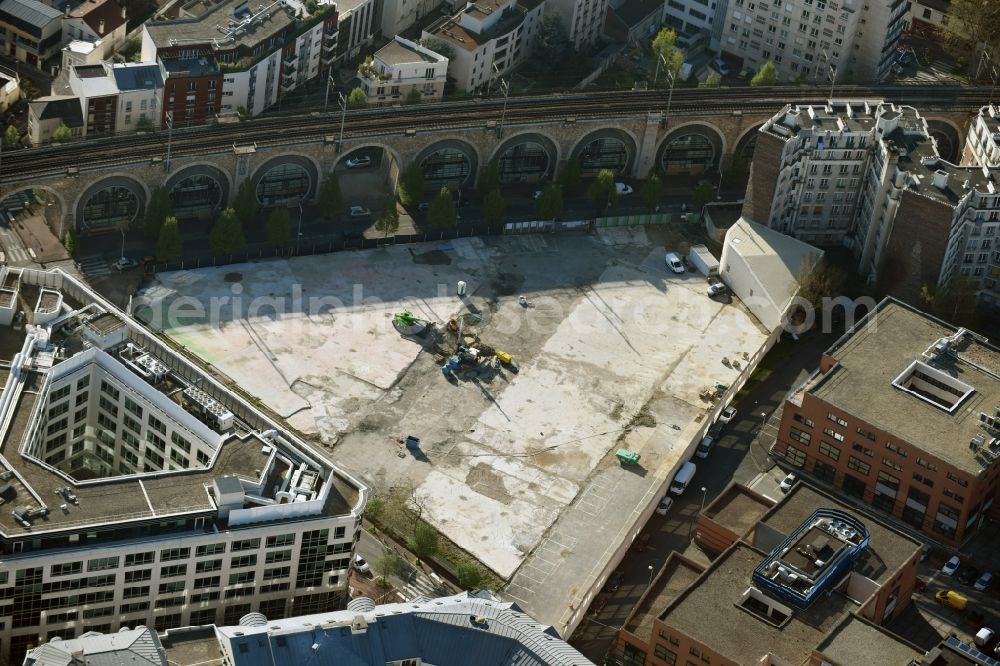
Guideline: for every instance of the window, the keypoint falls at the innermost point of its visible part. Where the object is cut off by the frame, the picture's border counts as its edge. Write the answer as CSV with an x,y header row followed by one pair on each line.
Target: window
x,y
207,581
795,457
799,435
892,464
67,569
858,465
862,449
156,424
207,566
134,408
897,449
278,556
135,559
170,554
960,481
245,544
829,450
243,561
836,435
172,587
280,540
210,549
866,434
102,563
241,577
138,575
665,654
824,472
173,571
109,390
803,420
926,464
277,572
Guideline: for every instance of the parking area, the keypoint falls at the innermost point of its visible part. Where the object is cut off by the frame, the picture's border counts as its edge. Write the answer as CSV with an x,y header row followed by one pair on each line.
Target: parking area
x,y
517,468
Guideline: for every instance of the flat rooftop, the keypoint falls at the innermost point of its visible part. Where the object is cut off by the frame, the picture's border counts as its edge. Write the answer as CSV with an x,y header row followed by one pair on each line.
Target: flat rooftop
x,y
396,53
887,551
221,26
676,576
882,346
857,641
737,509
709,613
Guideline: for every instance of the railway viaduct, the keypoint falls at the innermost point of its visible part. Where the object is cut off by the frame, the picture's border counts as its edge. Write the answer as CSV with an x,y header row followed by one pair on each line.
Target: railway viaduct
x,y
92,199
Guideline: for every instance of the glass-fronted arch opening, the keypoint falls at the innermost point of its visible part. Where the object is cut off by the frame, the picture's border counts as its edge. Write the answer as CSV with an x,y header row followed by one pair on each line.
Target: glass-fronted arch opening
x,y
604,153
446,166
688,154
110,208
524,162
284,184
196,196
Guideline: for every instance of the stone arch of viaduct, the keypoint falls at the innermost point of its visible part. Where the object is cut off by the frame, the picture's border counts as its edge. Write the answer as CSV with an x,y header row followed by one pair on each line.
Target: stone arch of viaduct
x,y
647,139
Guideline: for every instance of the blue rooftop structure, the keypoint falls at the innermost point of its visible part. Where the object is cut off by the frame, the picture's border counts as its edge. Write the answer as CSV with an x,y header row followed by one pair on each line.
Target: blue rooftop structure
x,y
137,77
813,557
469,628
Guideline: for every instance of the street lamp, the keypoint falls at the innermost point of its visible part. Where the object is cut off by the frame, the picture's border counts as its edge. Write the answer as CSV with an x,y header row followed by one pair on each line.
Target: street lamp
x,y
763,420
326,98
505,86
300,217
704,492
832,70
343,117
650,567
671,77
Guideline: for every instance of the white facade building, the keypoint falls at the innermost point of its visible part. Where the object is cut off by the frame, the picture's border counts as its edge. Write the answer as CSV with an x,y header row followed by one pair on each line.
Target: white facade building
x,y
144,492
581,20
804,38
98,22
982,144
489,39
399,15
401,67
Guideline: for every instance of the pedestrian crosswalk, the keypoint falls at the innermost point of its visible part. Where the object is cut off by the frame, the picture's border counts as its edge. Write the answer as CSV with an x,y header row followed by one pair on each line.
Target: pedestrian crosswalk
x,y
94,266
420,585
13,248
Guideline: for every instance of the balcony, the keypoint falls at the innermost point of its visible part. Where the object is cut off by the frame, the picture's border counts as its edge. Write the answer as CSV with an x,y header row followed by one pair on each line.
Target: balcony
x,y
327,57
290,58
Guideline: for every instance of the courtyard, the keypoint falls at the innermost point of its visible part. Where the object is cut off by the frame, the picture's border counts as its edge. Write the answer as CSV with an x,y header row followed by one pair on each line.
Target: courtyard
x,y
515,467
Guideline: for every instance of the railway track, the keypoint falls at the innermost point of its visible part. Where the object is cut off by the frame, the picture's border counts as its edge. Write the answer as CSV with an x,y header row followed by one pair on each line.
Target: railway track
x,y
311,126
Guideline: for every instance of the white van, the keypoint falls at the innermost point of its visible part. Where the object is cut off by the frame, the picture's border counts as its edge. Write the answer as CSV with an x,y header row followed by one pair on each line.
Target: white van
x,y
704,447
683,478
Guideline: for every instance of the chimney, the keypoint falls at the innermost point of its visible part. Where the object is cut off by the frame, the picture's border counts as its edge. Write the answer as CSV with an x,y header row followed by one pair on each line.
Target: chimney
x,y
941,179
123,13
100,27
66,11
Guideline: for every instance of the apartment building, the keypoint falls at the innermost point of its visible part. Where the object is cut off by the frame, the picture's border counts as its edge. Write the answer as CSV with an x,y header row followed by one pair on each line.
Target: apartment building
x,y
30,31
399,15
401,70
693,17
804,38
868,176
805,580
101,23
581,20
144,492
238,56
903,414
982,143
489,38
927,17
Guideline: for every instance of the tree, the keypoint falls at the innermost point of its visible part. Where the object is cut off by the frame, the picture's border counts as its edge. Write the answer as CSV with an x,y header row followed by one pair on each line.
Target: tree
x,y
413,97
330,197
226,236
374,508
357,99
666,52
494,207
570,175
702,195
603,191
550,202
489,179
11,136
818,280
767,76
69,242
157,210
245,204
711,81
411,184
388,218
62,133
973,27
169,245
279,229
424,541
734,169
385,566
469,575
652,193
551,44
955,301
441,213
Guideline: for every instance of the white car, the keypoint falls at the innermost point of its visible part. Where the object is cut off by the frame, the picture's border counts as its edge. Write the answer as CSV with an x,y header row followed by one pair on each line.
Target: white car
x,y
125,264
360,211
720,66
359,162
674,262
664,505
951,566
727,415
361,564
787,482
536,194
716,289
622,188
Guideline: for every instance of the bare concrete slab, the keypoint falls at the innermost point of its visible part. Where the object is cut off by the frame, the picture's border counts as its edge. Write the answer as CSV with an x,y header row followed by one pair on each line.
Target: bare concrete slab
x,y
517,468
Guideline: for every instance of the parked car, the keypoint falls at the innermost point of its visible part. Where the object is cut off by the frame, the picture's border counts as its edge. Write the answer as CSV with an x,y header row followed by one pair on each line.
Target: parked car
x,y
787,482
125,264
951,565
360,211
716,430
704,447
664,505
361,564
967,574
720,66
984,583
727,415
716,289
674,262
359,162
614,581
622,188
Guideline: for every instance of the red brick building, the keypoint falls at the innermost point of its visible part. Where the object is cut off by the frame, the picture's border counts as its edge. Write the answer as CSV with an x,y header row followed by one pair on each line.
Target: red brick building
x,y
903,415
